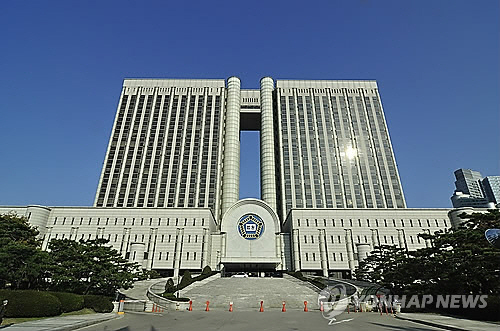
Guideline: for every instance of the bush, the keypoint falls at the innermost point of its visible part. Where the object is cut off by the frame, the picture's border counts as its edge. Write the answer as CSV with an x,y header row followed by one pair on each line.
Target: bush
x,y
99,303
207,270
170,286
171,296
69,301
30,303
186,279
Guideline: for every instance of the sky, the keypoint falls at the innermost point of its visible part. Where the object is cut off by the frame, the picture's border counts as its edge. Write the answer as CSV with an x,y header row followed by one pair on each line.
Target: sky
x,y
62,64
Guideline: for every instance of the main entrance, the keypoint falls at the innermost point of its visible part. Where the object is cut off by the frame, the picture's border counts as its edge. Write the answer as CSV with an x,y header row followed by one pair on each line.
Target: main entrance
x,y
250,270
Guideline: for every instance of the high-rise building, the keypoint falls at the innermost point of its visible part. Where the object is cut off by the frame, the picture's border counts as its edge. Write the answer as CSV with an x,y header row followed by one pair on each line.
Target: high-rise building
x,y
474,191
491,186
168,194
324,144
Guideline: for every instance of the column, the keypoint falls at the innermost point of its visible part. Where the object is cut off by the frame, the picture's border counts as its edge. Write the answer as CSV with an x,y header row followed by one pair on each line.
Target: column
x,y
401,238
231,168
350,253
267,155
204,256
178,249
322,251
282,252
296,255
374,238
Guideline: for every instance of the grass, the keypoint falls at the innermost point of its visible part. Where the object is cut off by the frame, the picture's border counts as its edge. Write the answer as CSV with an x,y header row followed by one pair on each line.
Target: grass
x,y
83,311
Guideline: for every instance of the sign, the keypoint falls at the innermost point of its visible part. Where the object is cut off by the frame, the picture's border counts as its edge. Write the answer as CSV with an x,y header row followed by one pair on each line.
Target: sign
x,y
250,227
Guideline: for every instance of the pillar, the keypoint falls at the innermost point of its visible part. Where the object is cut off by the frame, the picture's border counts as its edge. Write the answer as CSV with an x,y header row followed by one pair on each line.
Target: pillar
x,y
401,238
267,155
178,249
231,167
363,251
375,238
296,255
204,257
322,252
350,253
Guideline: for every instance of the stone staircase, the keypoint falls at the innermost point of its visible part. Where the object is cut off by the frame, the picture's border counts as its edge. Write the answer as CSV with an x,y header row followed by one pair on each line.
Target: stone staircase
x,y
246,293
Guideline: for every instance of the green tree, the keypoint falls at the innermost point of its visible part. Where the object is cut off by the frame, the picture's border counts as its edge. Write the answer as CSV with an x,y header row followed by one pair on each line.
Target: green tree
x,y
22,264
89,267
459,261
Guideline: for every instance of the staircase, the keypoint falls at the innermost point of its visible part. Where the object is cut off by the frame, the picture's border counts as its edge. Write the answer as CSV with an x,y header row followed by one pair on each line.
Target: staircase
x,y
246,293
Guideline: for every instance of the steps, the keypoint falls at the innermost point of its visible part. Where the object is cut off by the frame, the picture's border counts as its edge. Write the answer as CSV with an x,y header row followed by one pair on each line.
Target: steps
x,y
246,293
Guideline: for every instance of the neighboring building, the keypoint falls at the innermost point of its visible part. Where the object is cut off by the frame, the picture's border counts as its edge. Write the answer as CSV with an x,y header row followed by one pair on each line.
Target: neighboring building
x,y
168,194
474,191
491,186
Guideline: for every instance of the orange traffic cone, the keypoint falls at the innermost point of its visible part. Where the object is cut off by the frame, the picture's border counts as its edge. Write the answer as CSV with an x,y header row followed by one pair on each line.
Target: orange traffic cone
x,y
261,307
283,309
206,309
305,306
190,305
230,307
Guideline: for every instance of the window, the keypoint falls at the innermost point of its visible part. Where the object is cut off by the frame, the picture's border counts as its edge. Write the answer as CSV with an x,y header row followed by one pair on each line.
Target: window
x,y
307,257
159,257
305,239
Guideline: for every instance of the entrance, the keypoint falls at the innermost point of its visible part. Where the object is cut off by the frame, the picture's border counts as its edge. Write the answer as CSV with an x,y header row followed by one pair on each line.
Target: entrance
x,y
250,270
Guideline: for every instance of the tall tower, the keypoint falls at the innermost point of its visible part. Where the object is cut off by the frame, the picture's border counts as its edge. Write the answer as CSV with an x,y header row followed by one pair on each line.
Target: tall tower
x,y
334,147
165,148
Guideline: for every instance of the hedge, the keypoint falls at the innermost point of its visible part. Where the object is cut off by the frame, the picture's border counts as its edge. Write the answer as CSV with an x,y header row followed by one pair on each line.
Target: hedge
x,y
99,303
69,301
26,303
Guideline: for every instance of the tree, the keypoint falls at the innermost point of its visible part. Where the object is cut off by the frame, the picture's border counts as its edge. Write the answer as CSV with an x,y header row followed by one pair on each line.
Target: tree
x,y
89,267
22,264
459,261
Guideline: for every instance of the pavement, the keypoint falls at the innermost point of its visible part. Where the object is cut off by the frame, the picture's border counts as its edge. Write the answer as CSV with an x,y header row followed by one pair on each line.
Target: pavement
x,y
448,323
244,319
64,323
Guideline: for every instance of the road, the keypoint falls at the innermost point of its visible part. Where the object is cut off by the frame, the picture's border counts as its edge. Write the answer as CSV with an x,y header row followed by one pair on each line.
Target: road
x,y
254,320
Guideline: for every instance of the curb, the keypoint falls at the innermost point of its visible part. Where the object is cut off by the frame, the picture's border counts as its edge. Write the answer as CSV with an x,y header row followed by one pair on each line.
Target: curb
x,y
72,326
437,325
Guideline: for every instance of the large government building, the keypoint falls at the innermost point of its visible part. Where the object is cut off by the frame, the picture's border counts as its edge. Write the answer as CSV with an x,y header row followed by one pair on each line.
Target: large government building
x,y
168,194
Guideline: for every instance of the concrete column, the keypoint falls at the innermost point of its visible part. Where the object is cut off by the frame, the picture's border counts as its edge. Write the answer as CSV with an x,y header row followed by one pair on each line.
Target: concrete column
x,y
178,249
401,238
350,253
267,155
153,234
223,244
322,251
137,253
427,241
296,255
204,255
374,238
231,168
363,251
46,239
282,252
38,216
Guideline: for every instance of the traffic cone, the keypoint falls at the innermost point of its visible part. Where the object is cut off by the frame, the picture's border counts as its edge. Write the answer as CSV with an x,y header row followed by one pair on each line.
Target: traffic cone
x,y
305,306
190,306
206,309
231,307
261,307
283,309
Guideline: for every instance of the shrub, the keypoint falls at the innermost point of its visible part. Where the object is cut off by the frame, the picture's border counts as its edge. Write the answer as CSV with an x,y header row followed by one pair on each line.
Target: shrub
x,y
30,303
99,303
207,270
171,296
170,286
69,301
186,279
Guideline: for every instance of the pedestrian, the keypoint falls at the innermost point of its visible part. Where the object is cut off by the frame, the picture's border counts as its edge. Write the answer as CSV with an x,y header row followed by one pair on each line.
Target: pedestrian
x,y
3,308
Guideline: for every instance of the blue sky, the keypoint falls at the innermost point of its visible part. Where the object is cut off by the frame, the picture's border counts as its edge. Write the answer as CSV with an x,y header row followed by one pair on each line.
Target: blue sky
x,y
62,64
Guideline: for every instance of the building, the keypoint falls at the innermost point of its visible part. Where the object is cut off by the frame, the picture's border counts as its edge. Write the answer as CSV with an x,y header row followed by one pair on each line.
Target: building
x,y
474,191
168,194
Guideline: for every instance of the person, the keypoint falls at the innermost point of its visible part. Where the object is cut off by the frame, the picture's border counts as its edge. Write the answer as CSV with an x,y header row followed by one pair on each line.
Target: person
x,y
3,308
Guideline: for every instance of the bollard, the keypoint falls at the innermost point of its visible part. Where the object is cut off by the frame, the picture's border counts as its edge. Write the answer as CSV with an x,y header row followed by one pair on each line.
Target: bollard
x,y
231,307
348,309
120,307
305,306
283,309
190,305
321,308
206,309
261,307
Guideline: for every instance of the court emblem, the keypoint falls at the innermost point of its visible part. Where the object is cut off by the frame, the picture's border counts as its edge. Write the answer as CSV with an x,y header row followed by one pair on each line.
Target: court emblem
x,y
250,227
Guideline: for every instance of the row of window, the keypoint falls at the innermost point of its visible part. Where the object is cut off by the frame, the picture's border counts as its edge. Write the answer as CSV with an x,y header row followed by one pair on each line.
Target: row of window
x,y
377,223
132,221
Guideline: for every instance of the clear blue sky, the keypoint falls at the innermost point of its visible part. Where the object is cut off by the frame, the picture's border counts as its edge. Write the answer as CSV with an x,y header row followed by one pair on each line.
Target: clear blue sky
x,y
62,64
